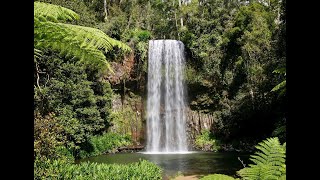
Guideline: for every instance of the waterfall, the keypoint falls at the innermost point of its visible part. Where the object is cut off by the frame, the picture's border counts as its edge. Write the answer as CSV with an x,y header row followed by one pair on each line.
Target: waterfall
x,y
166,116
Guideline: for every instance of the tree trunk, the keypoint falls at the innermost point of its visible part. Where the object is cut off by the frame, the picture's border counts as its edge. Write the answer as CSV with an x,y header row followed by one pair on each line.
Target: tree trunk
x,y
105,10
199,122
175,18
181,19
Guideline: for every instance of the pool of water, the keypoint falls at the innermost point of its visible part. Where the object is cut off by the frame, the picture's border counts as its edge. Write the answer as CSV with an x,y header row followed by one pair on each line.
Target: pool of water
x,y
195,163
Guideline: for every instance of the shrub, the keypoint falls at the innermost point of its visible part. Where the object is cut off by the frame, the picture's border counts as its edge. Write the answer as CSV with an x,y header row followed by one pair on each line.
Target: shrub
x,y
206,142
45,168
100,144
48,136
57,169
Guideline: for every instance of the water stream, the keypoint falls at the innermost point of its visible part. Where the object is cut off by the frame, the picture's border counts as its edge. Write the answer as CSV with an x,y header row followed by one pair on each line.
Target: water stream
x,y
166,119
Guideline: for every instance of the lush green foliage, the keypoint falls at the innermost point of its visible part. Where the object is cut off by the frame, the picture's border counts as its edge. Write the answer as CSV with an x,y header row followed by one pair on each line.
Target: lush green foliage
x,y
106,142
206,141
72,98
58,169
233,47
53,12
86,43
126,119
79,99
233,51
122,120
217,177
48,136
73,90
269,161
236,55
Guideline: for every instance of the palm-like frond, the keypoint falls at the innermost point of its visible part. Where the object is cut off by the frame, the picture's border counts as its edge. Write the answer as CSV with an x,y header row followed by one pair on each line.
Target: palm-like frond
x,y
280,71
269,161
36,53
86,43
53,13
263,172
271,152
279,86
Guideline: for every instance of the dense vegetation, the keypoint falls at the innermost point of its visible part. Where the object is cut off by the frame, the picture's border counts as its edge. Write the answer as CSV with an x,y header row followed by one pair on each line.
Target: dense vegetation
x,y
236,72
73,102
69,87
269,163
100,144
56,169
207,142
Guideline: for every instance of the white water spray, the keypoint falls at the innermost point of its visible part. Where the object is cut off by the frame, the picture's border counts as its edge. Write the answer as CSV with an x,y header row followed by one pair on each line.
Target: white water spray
x,y
166,119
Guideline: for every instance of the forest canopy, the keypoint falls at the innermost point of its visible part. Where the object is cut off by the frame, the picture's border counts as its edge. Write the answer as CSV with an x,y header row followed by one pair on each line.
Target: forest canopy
x,y
91,55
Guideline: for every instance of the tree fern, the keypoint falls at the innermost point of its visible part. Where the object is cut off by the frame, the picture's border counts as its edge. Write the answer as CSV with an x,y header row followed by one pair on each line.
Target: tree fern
x,y
269,161
53,13
86,43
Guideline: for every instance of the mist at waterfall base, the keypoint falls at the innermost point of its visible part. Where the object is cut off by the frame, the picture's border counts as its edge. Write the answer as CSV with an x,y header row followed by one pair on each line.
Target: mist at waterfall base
x,y
166,119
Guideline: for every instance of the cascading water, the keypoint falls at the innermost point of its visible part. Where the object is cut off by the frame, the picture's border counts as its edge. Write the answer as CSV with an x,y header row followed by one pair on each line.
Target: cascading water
x,y
166,119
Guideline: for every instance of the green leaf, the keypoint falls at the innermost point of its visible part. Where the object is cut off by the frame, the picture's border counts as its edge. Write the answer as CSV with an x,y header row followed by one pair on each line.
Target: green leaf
x,y
85,43
279,86
269,161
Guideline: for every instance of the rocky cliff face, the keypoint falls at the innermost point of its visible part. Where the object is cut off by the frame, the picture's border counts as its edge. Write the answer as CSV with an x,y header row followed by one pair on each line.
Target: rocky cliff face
x,y
129,104
196,122
127,116
128,100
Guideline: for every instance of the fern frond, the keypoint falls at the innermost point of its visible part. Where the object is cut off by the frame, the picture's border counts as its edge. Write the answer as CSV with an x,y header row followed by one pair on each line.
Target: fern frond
x,y
279,86
269,161
280,70
54,13
258,172
86,43
36,53
271,152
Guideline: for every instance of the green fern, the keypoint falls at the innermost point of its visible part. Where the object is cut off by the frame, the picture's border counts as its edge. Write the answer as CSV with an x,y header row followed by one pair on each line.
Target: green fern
x,y
279,86
53,13
280,71
217,177
37,53
86,43
269,161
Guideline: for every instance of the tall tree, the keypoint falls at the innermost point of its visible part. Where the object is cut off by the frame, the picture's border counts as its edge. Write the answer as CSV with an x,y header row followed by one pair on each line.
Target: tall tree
x,y
105,10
